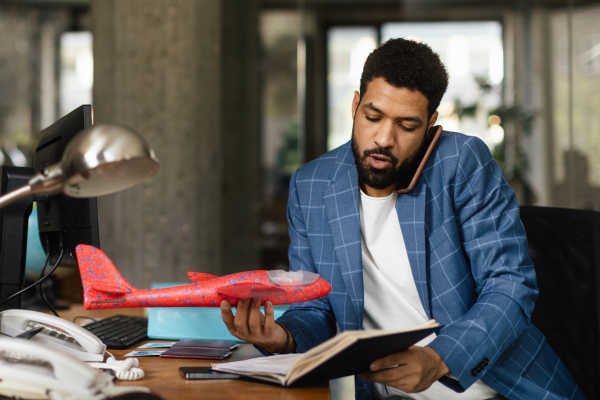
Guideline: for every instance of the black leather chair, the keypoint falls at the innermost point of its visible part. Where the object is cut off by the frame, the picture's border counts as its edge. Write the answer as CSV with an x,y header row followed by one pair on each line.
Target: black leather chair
x,y
564,245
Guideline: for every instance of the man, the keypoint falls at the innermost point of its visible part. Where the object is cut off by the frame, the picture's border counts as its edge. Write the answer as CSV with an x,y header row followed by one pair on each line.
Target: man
x,y
452,248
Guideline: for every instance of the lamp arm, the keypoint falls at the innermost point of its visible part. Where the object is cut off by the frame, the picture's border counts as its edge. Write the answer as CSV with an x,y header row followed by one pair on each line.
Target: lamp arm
x,y
49,182
15,195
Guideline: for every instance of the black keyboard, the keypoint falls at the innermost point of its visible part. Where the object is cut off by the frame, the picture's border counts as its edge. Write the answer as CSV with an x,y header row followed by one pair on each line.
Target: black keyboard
x,y
120,331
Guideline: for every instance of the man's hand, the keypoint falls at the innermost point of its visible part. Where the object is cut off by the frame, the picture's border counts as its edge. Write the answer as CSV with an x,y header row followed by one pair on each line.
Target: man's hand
x,y
411,371
250,325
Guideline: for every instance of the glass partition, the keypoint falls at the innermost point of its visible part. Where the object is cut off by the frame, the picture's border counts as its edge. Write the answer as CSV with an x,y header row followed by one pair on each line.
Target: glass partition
x,y
347,50
473,55
575,60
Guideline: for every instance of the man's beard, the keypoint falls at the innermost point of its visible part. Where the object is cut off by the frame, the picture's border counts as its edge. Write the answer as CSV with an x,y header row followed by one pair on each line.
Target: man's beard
x,y
399,174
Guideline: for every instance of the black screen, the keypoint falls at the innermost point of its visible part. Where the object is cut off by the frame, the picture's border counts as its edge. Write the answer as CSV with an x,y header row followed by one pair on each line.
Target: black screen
x,y
65,221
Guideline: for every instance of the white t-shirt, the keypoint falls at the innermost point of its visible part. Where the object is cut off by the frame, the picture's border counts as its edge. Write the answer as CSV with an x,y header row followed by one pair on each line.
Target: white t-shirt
x,y
391,297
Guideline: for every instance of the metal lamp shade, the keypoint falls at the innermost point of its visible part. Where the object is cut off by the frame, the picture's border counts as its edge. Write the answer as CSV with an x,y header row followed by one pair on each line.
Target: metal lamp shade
x,y
101,160
106,159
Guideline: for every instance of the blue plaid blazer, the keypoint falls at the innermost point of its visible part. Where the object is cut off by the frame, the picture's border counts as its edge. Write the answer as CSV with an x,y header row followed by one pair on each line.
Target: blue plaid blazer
x,y
468,254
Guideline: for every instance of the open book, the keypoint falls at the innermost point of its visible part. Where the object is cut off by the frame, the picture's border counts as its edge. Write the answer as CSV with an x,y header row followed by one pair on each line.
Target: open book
x,y
348,353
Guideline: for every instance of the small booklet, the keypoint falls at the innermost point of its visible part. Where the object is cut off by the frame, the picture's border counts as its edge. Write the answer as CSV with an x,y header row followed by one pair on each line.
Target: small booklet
x,y
348,353
196,352
207,344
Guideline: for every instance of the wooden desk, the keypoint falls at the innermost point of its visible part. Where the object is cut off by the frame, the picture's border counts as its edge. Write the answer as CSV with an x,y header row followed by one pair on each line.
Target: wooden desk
x,y
162,374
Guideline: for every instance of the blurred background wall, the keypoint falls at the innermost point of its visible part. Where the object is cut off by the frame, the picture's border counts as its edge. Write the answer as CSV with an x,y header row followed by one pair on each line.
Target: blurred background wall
x,y
164,67
235,95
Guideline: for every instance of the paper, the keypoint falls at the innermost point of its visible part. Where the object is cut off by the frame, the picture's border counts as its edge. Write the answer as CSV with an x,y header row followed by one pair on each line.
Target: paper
x,y
156,345
144,353
270,365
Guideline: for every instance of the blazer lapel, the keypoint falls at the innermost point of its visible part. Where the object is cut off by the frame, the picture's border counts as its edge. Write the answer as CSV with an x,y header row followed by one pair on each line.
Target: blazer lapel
x,y
342,207
411,214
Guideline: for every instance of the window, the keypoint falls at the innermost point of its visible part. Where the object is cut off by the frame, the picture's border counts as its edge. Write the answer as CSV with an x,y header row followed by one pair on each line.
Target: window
x,y
471,51
76,70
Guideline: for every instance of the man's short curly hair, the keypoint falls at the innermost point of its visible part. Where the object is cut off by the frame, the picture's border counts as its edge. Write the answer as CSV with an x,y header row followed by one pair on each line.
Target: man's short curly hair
x,y
408,64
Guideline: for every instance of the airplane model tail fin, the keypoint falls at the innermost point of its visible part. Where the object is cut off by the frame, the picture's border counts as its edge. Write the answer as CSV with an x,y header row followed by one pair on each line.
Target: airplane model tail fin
x,y
103,284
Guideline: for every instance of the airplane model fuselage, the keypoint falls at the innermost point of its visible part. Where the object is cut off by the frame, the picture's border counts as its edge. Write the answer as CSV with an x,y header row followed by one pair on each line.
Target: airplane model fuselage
x,y
105,287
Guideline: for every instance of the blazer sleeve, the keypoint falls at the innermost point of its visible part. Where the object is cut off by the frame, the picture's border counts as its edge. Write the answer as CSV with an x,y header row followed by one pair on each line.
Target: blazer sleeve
x,y
494,242
311,322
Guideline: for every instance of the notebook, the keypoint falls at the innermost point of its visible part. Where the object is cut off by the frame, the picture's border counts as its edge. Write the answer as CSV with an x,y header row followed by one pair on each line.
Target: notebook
x,y
348,353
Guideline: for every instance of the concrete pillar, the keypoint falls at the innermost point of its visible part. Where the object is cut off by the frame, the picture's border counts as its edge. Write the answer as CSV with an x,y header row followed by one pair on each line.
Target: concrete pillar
x,y
539,147
158,70
527,86
240,150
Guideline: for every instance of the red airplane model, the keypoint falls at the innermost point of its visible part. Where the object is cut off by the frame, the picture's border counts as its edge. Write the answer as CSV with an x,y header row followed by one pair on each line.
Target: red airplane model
x,y
105,287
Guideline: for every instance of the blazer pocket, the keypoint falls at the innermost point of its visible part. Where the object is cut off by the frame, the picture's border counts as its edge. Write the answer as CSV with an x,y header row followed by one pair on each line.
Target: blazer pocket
x,y
448,230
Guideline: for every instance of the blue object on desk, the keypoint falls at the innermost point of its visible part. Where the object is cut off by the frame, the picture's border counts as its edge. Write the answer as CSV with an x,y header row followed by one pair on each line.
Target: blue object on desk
x,y
35,252
190,322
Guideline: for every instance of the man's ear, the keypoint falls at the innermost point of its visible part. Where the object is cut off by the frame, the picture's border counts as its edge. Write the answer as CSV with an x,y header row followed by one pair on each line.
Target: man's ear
x,y
355,102
432,120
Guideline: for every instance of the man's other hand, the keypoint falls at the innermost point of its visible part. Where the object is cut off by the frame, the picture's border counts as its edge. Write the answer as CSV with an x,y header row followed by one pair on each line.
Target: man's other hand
x,y
412,371
250,325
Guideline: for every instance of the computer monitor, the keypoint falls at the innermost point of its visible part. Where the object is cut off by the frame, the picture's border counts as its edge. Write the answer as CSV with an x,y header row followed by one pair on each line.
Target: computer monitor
x,y
13,235
65,221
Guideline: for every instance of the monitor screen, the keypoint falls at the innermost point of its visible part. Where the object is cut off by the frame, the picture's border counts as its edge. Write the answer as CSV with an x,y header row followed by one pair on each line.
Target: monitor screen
x,y
65,221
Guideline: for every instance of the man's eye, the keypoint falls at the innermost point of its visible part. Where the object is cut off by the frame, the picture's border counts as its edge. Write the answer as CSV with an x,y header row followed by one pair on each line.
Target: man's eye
x,y
372,119
407,129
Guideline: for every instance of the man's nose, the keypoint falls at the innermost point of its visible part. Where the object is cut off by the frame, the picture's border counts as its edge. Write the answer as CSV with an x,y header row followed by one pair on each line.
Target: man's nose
x,y
385,135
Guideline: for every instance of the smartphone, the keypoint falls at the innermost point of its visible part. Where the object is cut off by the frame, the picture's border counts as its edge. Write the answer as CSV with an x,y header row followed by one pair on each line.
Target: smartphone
x,y
436,131
203,373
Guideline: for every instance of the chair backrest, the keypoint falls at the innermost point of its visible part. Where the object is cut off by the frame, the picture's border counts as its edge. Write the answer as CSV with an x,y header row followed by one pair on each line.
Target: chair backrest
x,y
564,245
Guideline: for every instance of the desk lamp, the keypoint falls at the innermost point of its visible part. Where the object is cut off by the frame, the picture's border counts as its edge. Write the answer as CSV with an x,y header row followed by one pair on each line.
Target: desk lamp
x,y
103,159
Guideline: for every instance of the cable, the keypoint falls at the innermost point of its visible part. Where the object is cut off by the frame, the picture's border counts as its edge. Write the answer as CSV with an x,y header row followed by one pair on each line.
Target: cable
x,y
41,287
27,288
125,370
62,252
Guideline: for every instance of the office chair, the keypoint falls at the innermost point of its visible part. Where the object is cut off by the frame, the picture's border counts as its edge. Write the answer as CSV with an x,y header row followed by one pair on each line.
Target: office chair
x,y
564,245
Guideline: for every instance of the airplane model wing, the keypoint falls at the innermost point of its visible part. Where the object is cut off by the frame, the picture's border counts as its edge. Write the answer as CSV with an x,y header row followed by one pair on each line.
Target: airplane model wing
x,y
249,290
198,277
111,288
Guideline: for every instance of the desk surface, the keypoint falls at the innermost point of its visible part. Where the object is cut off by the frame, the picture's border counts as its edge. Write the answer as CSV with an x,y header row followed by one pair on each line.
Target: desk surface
x,y
162,374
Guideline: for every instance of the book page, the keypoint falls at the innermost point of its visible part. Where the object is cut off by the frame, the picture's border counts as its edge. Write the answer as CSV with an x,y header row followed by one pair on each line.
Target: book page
x,y
278,365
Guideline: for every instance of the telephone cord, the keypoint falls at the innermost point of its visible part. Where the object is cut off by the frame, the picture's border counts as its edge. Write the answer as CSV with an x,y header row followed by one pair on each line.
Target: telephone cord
x,y
103,389
125,370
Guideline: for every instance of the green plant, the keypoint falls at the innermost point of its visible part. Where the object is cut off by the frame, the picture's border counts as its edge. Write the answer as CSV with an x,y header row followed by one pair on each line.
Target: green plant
x,y
288,156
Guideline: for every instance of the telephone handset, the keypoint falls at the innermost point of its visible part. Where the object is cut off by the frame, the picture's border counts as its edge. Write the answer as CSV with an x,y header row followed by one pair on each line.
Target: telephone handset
x,y
33,370
438,131
56,333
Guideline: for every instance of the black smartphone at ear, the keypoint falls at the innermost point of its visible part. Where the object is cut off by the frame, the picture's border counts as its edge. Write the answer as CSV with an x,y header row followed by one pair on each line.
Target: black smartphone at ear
x,y
203,373
436,131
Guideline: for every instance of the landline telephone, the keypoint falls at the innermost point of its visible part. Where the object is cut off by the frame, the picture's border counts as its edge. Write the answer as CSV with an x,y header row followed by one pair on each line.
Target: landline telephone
x,y
32,370
57,333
